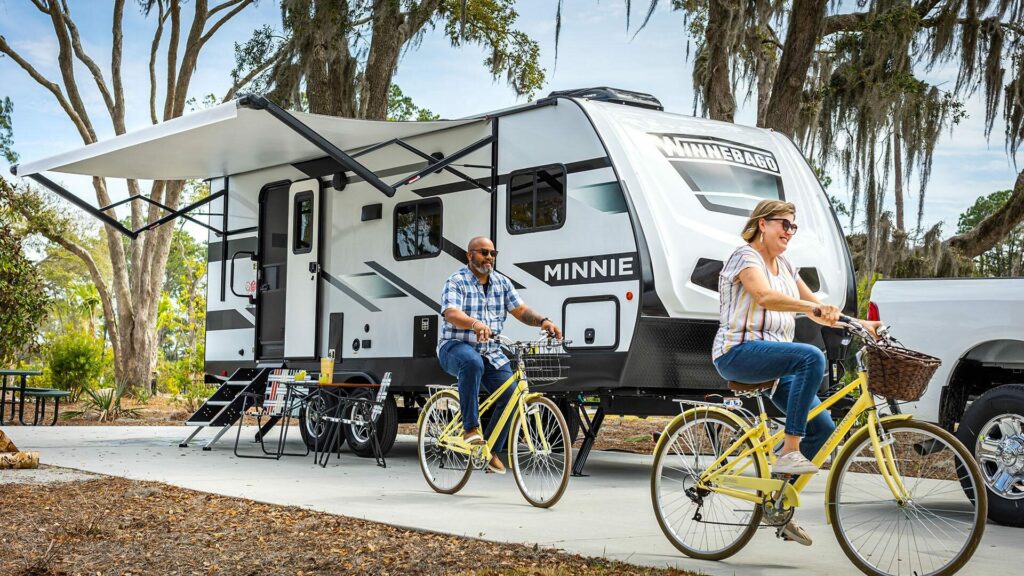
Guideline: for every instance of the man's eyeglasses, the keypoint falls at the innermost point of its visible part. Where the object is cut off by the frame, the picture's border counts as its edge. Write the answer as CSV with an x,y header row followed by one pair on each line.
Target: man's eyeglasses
x,y
787,224
486,252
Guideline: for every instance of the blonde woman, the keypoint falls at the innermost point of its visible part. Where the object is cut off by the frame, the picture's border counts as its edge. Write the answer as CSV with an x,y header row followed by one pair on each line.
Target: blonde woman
x,y
760,294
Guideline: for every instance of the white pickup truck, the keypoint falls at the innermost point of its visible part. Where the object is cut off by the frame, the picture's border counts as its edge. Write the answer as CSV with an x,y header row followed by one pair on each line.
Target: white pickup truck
x,y
976,327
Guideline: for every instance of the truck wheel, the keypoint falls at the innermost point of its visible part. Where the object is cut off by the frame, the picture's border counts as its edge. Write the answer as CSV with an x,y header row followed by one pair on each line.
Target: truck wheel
x,y
311,423
387,426
993,430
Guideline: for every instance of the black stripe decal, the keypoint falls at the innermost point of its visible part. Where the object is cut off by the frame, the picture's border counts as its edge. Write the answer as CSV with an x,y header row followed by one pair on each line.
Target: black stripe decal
x,y
326,166
571,168
234,245
226,320
348,291
432,304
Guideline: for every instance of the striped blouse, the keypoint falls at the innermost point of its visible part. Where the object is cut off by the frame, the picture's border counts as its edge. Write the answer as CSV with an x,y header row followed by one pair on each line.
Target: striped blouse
x,y
740,318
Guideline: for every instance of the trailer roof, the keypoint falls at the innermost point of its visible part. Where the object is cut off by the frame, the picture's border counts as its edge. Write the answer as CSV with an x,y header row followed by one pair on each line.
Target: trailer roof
x,y
221,141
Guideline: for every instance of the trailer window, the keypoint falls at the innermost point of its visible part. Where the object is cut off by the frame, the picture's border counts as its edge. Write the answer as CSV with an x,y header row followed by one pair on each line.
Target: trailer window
x,y
730,189
302,235
418,229
536,199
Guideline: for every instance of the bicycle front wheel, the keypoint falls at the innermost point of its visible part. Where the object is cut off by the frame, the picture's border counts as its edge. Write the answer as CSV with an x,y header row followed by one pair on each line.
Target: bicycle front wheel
x,y
446,471
933,527
541,465
699,522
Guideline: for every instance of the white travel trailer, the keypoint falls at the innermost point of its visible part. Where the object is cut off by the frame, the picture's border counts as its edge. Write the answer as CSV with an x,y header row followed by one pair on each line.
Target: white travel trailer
x,y
333,236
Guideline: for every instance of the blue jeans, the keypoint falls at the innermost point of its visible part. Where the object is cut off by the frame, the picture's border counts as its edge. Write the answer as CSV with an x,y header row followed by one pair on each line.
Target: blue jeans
x,y
799,368
461,360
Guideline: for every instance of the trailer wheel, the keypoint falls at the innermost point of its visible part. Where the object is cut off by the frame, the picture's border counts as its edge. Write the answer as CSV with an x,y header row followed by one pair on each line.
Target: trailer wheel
x,y
572,419
993,430
311,423
387,426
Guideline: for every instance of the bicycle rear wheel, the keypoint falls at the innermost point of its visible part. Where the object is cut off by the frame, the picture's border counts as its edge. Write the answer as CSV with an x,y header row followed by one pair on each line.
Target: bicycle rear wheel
x,y
698,522
446,471
541,466
935,531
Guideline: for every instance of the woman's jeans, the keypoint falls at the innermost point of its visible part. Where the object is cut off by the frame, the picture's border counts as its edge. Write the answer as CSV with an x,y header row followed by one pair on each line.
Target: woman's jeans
x,y
461,360
799,368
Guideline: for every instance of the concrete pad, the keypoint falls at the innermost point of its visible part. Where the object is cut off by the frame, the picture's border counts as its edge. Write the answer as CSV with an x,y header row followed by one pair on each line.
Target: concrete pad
x,y
607,513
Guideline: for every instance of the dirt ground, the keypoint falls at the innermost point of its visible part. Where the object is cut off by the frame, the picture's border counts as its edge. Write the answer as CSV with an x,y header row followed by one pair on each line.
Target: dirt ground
x,y
113,526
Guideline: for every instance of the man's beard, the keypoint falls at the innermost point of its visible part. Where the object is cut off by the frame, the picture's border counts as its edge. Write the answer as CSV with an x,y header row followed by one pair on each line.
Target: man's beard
x,y
484,269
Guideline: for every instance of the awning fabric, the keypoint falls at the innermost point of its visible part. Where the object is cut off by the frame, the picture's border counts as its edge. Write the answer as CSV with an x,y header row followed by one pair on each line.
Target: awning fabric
x,y
221,141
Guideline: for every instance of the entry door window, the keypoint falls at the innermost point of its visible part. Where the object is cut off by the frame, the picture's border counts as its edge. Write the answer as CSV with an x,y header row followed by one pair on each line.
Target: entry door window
x,y
304,222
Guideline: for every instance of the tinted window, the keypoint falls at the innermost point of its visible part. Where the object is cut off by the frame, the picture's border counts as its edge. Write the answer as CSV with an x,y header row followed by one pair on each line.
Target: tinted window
x,y
418,229
303,233
536,200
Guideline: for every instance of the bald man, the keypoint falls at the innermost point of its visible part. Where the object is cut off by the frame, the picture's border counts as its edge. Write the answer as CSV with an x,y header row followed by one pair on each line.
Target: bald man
x,y
475,303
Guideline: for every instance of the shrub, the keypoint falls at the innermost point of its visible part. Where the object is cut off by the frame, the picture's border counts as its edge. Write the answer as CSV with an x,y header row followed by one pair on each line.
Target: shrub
x,y
74,361
106,403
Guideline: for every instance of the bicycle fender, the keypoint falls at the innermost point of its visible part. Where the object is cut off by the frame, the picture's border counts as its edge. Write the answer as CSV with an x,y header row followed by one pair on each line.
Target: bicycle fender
x,y
740,423
419,419
855,439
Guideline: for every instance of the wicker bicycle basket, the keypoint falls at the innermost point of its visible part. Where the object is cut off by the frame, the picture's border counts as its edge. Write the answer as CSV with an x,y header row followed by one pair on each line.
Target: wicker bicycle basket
x,y
545,363
899,373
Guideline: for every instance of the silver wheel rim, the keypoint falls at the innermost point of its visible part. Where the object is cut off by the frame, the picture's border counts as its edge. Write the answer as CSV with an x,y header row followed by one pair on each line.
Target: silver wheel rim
x,y
539,471
444,468
360,433
315,411
1000,453
686,454
922,536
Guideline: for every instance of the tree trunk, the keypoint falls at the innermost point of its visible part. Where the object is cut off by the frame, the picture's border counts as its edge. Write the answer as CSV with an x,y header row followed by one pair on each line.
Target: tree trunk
x,y
382,59
897,165
717,81
993,229
805,26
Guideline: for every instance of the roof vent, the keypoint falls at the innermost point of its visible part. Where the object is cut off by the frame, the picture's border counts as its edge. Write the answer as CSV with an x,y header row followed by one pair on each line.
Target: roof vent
x,y
605,94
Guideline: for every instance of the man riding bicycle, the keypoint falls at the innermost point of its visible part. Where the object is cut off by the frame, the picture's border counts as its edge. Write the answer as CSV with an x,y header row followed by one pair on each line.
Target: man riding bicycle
x,y
475,303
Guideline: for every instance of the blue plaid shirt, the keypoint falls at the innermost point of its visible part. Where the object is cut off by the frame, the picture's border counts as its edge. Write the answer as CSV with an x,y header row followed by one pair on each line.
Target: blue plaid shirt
x,y
463,291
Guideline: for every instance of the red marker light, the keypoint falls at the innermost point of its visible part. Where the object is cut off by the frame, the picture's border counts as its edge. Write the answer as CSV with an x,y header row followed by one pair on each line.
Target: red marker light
x,y
629,295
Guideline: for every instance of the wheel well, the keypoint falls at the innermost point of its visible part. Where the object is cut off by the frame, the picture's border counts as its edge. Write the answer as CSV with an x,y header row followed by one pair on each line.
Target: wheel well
x,y
982,368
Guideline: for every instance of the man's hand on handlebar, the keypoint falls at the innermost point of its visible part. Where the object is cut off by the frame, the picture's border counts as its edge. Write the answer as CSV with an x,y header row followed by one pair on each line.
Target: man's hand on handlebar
x,y
552,329
482,331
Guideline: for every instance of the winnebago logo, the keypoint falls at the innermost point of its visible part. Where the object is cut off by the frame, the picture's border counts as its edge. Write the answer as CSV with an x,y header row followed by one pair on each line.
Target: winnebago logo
x,y
585,269
679,147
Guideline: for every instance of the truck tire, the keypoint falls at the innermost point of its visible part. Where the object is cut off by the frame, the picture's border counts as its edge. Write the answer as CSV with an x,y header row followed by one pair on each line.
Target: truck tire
x,y
310,424
991,427
387,427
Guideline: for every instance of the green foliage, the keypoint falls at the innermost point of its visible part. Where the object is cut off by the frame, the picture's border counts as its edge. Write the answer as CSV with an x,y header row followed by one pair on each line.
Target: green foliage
x,y
6,131
864,286
74,362
1005,258
401,108
105,403
193,395
22,298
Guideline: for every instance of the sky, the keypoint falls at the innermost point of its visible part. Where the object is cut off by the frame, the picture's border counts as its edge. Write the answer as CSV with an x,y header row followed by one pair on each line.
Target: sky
x,y
595,49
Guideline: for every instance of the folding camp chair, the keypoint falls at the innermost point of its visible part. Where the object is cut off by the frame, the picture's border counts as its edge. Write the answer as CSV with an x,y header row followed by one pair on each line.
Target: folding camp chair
x,y
354,411
276,404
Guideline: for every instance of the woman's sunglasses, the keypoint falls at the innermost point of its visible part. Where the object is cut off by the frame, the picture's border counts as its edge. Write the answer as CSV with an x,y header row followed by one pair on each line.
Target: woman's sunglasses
x,y
787,224
486,252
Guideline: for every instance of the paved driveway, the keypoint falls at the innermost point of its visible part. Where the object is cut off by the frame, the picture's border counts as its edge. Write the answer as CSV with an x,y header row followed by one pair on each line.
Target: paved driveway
x,y
605,514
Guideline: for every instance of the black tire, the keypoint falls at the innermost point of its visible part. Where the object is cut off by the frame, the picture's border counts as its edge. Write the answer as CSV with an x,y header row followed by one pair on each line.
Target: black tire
x,y
387,425
310,425
441,411
846,483
1003,401
530,468
572,418
662,490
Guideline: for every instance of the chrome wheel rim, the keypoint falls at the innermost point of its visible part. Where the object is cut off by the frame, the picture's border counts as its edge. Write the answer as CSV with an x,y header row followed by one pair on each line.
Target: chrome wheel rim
x,y
1000,453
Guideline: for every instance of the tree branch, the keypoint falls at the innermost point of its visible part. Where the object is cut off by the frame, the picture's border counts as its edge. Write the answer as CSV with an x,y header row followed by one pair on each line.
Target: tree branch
x,y
90,64
53,87
994,228
222,6
255,72
67,69
243,4
115,64
161,18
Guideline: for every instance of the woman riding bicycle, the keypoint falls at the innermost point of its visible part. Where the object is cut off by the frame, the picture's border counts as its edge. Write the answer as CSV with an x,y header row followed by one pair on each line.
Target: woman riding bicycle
x,y
760,294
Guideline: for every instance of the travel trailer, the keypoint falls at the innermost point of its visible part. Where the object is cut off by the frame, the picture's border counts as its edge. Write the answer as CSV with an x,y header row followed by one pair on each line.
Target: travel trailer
x,y
333,237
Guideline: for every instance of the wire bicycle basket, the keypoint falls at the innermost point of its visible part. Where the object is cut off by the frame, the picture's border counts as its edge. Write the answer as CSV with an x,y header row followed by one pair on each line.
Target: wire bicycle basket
x,y
542,362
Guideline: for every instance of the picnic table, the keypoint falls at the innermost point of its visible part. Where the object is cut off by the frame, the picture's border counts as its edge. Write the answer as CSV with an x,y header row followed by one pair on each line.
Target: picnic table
x,y
19,391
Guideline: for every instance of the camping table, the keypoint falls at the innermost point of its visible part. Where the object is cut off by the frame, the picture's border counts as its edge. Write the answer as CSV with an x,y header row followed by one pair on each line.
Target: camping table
x,y
19,390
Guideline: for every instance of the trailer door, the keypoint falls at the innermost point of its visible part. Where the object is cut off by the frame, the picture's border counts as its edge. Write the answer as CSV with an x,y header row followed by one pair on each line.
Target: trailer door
x,y
303,270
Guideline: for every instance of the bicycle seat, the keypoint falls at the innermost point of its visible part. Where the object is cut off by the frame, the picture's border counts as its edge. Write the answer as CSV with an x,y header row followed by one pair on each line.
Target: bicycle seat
x,y
741,387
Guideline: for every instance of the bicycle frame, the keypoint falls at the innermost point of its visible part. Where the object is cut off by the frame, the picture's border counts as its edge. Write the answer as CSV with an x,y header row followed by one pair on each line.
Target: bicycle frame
x,y
515,409
727,475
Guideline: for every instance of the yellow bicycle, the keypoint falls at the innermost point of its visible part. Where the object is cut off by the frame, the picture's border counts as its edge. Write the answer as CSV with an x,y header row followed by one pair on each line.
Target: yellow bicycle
x,y
902,496
540,452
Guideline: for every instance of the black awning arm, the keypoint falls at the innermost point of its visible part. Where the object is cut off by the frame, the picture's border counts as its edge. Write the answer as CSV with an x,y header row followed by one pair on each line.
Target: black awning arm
x,y
97,213
443,163
337,154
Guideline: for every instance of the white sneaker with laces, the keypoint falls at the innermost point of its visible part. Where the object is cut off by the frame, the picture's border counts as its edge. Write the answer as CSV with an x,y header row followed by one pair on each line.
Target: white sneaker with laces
x,y
794,463
794,533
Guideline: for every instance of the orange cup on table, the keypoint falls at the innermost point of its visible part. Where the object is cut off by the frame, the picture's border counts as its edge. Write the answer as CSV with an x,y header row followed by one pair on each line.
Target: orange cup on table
x,y
326,370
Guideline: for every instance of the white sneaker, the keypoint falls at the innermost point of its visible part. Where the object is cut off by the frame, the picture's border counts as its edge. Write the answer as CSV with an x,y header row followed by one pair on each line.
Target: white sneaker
x,y
794,463
794,533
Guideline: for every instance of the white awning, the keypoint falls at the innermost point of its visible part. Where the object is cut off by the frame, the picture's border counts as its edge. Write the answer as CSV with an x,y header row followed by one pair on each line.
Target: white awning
x,y
221,141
